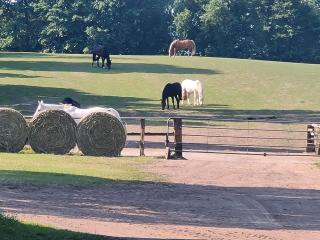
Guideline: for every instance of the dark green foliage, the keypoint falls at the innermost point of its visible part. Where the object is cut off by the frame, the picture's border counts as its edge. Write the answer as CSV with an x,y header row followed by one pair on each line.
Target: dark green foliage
x,y
287,30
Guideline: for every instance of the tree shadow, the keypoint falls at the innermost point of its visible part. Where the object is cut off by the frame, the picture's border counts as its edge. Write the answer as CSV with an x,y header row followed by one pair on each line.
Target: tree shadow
x,y
219,147
23,55
140,202
58,66
12,75
24,98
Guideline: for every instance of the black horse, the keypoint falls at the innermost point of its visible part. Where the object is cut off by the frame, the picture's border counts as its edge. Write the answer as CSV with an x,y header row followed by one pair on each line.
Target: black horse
x,y
173,90
100,51
68,100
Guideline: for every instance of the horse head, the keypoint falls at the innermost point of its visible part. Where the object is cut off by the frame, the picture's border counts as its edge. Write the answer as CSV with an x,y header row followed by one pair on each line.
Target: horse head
x,y
39,108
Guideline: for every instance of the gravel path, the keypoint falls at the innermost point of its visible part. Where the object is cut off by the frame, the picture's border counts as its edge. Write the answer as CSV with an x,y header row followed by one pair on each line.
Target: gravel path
x,y
224,197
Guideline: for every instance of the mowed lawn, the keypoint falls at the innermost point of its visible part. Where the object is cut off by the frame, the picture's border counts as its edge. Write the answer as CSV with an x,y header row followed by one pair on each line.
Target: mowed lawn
x,y
48,169
233,88
134,85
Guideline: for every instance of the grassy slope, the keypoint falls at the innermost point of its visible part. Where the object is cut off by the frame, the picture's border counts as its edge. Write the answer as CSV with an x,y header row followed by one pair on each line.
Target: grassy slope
x,y
135,82
232,86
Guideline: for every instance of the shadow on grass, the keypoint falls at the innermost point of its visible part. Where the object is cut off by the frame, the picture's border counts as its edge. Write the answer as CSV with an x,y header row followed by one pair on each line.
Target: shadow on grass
x,y
12,75
117,68
13,229
139,202
24,98
23,55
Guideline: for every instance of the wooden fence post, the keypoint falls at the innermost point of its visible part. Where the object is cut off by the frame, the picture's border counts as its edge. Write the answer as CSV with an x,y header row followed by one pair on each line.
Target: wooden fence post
x,y
311,147
142,133
178,137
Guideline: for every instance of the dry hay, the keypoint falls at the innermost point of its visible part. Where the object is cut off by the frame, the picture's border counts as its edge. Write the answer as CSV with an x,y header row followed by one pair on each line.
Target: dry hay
x,y
13,130
101,134
52,131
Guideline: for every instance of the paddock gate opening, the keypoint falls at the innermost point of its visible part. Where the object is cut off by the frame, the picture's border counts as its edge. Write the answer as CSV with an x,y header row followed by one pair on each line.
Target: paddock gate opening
x,y
261,136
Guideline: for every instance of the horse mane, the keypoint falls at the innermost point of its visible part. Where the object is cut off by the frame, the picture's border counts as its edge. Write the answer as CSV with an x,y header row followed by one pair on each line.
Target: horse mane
x,y
171,49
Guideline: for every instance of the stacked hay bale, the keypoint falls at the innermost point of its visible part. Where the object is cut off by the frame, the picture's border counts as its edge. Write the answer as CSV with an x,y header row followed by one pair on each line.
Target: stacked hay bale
x,y
52,131
101,134
13,130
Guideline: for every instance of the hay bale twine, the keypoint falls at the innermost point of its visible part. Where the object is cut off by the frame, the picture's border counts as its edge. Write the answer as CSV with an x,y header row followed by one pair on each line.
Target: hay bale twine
x,y
52,131
13,130
101,134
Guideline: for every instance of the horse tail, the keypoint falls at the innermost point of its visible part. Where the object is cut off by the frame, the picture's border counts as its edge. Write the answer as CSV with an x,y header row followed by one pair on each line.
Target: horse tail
x,y
171,49
200,92
193,48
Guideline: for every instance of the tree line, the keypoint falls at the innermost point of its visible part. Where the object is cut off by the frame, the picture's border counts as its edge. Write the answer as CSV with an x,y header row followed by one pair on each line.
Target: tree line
x,y
286,30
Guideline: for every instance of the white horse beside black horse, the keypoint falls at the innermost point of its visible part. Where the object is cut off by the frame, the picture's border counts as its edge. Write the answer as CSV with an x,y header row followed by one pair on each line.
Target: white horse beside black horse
x,y
182,91
192,87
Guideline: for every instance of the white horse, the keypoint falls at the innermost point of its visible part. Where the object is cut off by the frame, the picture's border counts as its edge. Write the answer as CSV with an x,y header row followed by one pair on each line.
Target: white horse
x,y
75,113
192,87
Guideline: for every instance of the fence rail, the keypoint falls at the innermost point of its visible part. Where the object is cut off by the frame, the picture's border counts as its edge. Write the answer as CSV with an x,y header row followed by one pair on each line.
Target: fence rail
x,y
225,136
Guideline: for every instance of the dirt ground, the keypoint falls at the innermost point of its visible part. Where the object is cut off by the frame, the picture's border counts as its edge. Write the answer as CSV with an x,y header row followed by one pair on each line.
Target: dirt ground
x,y
206,196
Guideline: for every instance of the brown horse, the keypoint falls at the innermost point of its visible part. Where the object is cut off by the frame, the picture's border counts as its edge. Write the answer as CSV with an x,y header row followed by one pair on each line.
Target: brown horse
x,y
177,45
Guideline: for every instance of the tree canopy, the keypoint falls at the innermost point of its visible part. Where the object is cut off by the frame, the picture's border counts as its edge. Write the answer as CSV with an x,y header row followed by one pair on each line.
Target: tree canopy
x,y
287,30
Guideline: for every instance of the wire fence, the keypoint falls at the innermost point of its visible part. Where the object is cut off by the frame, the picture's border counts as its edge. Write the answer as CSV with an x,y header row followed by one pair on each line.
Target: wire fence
x,y
205,135
263,137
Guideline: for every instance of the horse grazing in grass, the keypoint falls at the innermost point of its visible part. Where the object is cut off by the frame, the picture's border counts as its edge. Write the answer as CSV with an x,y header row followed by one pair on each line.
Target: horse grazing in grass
x,y
177,45
100,51
172,90
75,113
194,87
71,101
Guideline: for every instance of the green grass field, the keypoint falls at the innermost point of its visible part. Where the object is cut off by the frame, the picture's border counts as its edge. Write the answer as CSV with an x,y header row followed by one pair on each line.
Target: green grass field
x,y
233,87
11,229
47,169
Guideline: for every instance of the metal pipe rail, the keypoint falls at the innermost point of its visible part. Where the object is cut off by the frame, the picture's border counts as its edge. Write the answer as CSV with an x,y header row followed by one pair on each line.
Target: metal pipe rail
x,y
245,137
245,129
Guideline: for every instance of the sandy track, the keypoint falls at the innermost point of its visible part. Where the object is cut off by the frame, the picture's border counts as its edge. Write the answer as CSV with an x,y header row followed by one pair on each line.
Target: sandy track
x,y
205,197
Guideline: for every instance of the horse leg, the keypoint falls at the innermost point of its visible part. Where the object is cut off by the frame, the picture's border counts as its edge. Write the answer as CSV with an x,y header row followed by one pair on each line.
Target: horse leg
x,y
103,59
183,94
188,98
167,103
194,98
93,59
177,99
98,59
172,98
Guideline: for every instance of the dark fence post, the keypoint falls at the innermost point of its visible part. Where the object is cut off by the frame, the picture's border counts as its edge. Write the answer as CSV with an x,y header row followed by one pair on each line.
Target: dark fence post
x,y
178,137
311,147
142,133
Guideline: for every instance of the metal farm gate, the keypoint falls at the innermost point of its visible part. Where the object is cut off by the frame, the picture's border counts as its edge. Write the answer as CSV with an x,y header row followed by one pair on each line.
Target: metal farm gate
x,y
263,136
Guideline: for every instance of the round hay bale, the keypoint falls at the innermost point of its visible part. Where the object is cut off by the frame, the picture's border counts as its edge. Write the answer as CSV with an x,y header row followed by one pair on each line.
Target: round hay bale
x,y
101,134
52,131
13,130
